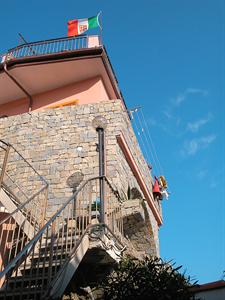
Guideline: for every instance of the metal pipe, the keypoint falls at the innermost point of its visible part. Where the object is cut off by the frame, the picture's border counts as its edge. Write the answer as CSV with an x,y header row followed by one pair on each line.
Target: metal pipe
x,y
101,145
20,86
4,165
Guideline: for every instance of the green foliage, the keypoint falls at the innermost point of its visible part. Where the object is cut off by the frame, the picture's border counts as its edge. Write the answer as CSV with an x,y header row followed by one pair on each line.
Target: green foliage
x,y
150,279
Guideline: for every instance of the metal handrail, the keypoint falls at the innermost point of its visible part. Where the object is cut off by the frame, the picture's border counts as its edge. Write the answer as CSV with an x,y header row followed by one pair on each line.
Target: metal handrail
x,y
27,208
21,206
50,46
29,246
21,256
87,230
10,177
112,188
26,161
48,41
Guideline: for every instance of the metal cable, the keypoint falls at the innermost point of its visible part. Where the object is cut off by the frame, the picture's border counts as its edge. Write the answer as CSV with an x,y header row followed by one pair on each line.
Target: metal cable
x,y
151,144
143,147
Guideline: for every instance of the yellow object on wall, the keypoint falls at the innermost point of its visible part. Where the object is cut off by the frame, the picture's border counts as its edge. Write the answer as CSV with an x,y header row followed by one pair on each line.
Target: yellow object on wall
x,y
66,103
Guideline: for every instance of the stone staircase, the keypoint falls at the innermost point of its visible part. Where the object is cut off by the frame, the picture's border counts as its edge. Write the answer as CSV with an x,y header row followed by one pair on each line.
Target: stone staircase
x,y
38,257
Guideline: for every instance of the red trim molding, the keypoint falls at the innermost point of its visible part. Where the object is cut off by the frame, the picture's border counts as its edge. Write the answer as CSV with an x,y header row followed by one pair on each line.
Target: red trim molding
x,y
208,286
131,162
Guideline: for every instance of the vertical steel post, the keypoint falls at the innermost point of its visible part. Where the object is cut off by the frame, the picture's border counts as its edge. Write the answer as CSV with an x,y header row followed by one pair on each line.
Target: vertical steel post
x,y
4,165
101,149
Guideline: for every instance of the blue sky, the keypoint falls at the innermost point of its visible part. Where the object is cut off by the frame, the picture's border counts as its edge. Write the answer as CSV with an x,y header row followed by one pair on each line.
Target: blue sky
x,y
169,58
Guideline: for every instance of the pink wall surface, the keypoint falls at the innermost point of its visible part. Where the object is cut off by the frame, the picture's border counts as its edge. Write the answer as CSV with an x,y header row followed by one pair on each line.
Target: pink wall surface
x,y
93,41
87,91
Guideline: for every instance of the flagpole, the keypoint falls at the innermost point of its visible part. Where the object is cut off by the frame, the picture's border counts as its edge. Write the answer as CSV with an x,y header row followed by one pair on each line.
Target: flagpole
x,y
20,39
100,25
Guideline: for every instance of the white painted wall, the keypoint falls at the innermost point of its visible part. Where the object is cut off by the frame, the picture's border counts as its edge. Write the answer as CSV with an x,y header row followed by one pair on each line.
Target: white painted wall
x,y
216,294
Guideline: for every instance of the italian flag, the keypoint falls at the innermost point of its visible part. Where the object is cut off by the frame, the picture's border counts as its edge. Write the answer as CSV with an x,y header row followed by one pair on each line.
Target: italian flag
x,y
76,27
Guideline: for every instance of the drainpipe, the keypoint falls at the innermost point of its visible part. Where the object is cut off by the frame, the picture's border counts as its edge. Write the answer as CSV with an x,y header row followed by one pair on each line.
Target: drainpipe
x,y
100,124
20,86
101,150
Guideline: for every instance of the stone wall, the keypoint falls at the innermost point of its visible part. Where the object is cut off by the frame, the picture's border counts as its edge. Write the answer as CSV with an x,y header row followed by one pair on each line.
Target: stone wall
x,y
59,142
140,227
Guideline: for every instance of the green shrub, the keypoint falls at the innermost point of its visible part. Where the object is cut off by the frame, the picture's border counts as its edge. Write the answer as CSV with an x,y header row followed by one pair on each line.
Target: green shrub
x,y
151,279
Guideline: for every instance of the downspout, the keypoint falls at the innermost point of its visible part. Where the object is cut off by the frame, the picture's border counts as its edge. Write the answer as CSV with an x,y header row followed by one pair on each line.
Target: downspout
x,y
20,86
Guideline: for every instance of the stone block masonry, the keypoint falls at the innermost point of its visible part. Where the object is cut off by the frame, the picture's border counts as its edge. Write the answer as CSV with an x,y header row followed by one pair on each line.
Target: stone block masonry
x,y
59,142
140,228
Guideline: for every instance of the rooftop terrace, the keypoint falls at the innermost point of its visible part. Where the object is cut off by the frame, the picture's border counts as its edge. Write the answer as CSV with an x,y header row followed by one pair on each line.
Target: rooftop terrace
x,y
28,72
52,46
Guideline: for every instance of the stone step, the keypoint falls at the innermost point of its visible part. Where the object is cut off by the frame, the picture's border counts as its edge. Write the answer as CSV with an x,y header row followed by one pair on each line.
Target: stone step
x,y
56,254
40,265
27,281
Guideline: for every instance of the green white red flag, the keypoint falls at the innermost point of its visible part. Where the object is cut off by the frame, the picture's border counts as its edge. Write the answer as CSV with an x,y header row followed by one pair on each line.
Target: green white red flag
x,y
79,26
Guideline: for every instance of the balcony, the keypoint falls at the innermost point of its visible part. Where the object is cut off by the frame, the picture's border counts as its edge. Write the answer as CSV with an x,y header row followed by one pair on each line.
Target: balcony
x,y
52,46
53,70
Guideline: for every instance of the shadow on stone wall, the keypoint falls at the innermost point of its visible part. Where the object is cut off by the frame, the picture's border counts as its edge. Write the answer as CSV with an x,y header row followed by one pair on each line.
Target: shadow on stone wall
x,y
137,227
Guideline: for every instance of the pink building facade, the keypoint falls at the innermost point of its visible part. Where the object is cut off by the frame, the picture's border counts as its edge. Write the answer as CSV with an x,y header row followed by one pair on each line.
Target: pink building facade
x,y
51,92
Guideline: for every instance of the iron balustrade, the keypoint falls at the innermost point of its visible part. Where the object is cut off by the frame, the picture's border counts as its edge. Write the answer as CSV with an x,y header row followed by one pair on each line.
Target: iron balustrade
x,y
51,46
24,194
17,175
37,266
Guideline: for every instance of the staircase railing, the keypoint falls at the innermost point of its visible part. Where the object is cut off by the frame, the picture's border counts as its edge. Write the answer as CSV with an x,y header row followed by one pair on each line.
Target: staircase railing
x,y
43,258
17,174
24,193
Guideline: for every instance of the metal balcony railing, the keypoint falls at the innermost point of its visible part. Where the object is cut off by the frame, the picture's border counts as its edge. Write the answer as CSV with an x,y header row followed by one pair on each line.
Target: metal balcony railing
x,y
52,46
